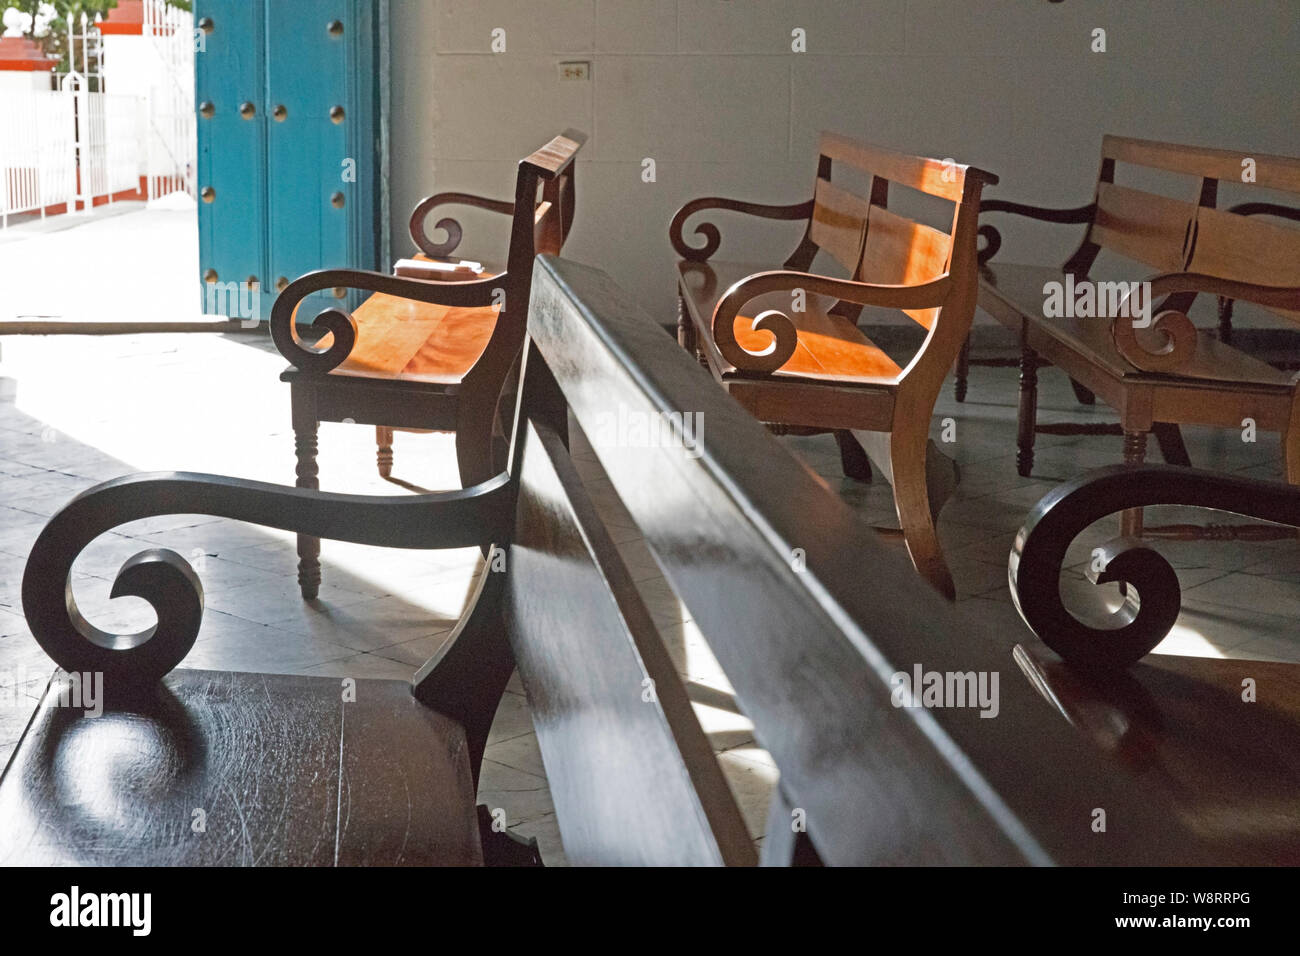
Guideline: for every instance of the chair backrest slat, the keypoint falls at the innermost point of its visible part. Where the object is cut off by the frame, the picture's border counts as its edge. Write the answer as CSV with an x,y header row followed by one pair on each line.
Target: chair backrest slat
x,y
839,220
899,251
1247,249
1142,226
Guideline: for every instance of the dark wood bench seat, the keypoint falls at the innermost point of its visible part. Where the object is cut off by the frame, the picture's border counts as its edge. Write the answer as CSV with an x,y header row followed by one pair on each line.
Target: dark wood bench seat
x,y
1181,724
282,771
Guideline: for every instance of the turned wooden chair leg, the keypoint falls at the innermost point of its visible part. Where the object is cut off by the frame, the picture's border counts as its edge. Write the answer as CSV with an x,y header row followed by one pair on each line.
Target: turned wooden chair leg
x,y
305,427
853,458
1028,412
384,457
1135,451
908,456
963,371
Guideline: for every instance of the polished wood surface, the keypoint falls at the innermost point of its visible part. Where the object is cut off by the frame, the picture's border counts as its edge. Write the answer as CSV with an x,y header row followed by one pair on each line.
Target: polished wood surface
x,y
274,770
1169,373
417,341
785,342
1222,737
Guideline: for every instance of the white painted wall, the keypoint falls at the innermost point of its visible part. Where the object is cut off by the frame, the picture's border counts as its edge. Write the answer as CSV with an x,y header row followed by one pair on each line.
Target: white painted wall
x,y
711,90
20,81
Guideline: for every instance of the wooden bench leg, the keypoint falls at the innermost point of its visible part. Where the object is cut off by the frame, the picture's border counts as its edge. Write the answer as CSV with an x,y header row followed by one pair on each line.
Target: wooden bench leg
x,y
909,448
962,371
384,457
474,421
1082,393
1135,450
1172,449
1028,412
853,459
305,427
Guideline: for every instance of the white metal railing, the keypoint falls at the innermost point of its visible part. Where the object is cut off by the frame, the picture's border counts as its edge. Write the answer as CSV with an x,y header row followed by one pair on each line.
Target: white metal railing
x,y
38,159
110,144
82,143
67,148
172,146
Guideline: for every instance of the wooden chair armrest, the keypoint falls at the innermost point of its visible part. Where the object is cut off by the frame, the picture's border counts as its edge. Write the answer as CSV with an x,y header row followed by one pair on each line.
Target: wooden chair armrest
x,y
993,238
713,238
315,361
784,334
478,515
1153,596
1179,334
440,250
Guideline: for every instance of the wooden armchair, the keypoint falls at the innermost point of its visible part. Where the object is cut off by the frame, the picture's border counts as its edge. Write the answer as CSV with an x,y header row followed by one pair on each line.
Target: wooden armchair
x,y
785,343
430,355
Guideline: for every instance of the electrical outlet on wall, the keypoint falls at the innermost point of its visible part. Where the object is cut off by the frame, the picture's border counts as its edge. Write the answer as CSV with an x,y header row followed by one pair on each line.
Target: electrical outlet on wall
x,y
575,70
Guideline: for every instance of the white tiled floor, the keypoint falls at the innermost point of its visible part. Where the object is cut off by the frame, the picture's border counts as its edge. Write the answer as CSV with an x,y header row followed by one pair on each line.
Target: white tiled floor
x,y
78,410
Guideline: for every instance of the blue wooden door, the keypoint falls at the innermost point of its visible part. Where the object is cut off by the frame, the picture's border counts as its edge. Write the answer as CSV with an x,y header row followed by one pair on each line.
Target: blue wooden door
x,y
289,170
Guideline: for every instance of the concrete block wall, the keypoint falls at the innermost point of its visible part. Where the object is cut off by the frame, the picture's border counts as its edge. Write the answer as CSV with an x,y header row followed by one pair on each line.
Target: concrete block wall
x,y
713,92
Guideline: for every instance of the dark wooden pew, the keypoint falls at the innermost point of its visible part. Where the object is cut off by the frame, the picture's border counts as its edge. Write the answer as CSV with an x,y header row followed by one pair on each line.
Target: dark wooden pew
x,y
809,613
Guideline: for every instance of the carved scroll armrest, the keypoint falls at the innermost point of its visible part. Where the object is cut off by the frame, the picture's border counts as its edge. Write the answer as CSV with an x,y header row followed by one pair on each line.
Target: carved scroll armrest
x,y
713,238
1153,598
440,250
1179,334
456,519
782,328
317,361
993,238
